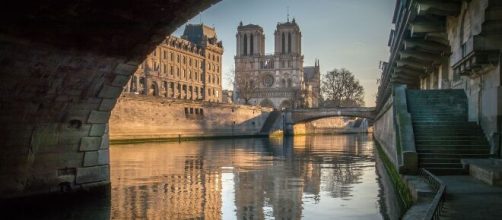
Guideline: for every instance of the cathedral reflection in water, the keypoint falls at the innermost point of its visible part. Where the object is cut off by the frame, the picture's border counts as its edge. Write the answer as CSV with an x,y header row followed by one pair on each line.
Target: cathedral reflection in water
x,y
271,178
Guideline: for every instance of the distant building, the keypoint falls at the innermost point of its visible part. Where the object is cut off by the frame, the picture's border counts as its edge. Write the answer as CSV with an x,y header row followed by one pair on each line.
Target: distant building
x,y
186,68
278,80
228,96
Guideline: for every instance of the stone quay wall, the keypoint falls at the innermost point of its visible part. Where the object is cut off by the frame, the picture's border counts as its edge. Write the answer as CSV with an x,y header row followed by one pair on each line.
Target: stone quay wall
x,y
137,117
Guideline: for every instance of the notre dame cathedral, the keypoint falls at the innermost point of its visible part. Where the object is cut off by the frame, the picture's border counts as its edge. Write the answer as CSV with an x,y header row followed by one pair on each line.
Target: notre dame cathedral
x,y
276,80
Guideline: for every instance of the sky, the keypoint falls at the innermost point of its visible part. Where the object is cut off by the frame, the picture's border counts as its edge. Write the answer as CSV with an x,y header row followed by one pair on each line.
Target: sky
x,y
350,34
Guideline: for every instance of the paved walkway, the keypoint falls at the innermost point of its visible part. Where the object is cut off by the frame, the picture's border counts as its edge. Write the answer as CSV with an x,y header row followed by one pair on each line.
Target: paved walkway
x,y
468,198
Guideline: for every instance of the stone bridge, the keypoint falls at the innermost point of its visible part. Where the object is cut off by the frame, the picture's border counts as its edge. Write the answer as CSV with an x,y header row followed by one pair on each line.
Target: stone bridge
x,y
295,116
305,115
63,65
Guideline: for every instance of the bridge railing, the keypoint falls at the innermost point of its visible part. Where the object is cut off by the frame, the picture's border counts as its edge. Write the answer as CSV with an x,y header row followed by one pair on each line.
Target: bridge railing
x,y
360,109
436,208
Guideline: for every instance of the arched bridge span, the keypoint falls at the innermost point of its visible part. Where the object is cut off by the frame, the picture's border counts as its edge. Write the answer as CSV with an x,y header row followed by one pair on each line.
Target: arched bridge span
x,y
306,115
63,66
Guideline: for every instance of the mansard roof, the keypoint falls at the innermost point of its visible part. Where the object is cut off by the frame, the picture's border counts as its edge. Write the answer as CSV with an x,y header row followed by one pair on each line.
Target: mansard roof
x,y
196,33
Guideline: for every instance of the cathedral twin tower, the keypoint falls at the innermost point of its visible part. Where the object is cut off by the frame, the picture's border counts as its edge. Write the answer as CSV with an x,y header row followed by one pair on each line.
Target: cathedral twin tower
x,y
251,39
277,80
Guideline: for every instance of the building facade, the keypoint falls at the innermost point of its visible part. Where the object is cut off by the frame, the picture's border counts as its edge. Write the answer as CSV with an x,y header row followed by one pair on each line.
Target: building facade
x,y
451,45
276,80
187,68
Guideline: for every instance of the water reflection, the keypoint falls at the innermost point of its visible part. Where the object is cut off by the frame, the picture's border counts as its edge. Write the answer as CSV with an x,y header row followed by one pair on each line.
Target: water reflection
x,y
314,177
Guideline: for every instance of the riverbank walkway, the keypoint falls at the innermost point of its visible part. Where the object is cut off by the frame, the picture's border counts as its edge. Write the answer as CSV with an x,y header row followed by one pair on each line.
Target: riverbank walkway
x,y
469,198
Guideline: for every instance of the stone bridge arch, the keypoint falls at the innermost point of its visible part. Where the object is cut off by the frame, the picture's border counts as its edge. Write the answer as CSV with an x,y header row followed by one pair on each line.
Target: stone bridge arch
x,y
307,115
63,66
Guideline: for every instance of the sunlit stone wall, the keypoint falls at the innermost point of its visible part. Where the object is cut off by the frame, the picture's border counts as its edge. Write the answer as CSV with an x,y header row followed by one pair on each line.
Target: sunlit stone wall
x,y
143,117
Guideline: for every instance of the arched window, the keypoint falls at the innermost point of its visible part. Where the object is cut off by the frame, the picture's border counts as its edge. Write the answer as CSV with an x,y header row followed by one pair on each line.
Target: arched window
x,y
283,83
283,43
289,42
142,86
154,89
290,83
172,89
245,46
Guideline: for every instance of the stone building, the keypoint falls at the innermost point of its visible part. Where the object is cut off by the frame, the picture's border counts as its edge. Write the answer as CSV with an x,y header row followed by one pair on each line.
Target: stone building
x,y
443,82
276,80
454,45
187,68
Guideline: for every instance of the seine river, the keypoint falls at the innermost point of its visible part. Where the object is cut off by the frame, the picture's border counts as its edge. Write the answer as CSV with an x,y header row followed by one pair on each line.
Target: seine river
x,y
307,177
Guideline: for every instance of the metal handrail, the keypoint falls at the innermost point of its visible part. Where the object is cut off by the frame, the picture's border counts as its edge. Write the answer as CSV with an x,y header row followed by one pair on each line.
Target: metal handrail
x,y
436,208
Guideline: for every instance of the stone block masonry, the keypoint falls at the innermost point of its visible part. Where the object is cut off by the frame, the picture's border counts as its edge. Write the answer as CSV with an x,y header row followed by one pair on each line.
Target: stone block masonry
x,y
61,74
137,117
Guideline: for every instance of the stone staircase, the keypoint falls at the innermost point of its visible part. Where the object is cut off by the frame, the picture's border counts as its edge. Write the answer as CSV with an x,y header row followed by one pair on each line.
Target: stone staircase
x,y
443,136
269,123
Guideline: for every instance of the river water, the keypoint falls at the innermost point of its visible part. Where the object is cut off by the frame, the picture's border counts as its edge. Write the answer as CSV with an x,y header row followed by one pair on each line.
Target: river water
x,y
306,177
309,177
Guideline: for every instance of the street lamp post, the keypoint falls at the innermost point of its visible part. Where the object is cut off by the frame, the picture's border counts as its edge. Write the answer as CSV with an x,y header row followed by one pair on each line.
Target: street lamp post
x,y
283,122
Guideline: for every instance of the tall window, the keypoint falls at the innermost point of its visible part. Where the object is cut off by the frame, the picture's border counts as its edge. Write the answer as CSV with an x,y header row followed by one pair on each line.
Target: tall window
x,y
252,45
289,42
283,43
245,44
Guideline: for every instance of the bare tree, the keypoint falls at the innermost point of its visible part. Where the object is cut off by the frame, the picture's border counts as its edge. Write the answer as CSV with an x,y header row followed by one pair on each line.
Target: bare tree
x,y
228,79
244,85
341,89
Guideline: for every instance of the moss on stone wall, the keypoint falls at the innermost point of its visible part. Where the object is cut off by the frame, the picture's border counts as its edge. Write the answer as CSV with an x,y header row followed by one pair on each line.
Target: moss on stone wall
x,y
406,200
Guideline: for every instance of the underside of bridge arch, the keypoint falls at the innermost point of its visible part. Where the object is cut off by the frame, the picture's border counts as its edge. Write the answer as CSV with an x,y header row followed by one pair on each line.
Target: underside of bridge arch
x,y
63,65
311,119
309,116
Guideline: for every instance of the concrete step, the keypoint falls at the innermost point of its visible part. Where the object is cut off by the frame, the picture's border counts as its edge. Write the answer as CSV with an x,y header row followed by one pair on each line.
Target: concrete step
x,y
425,109
446,129
438,113
439,160
454,151
436,100
453,148
444,132
446,103
438,119
451,155
440,165
448,171
444,123
434,97
436,91
472,142
445,126
448,138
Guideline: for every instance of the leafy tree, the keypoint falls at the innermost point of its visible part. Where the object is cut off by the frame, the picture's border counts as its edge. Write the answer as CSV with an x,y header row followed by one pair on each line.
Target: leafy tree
x,y
341,89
